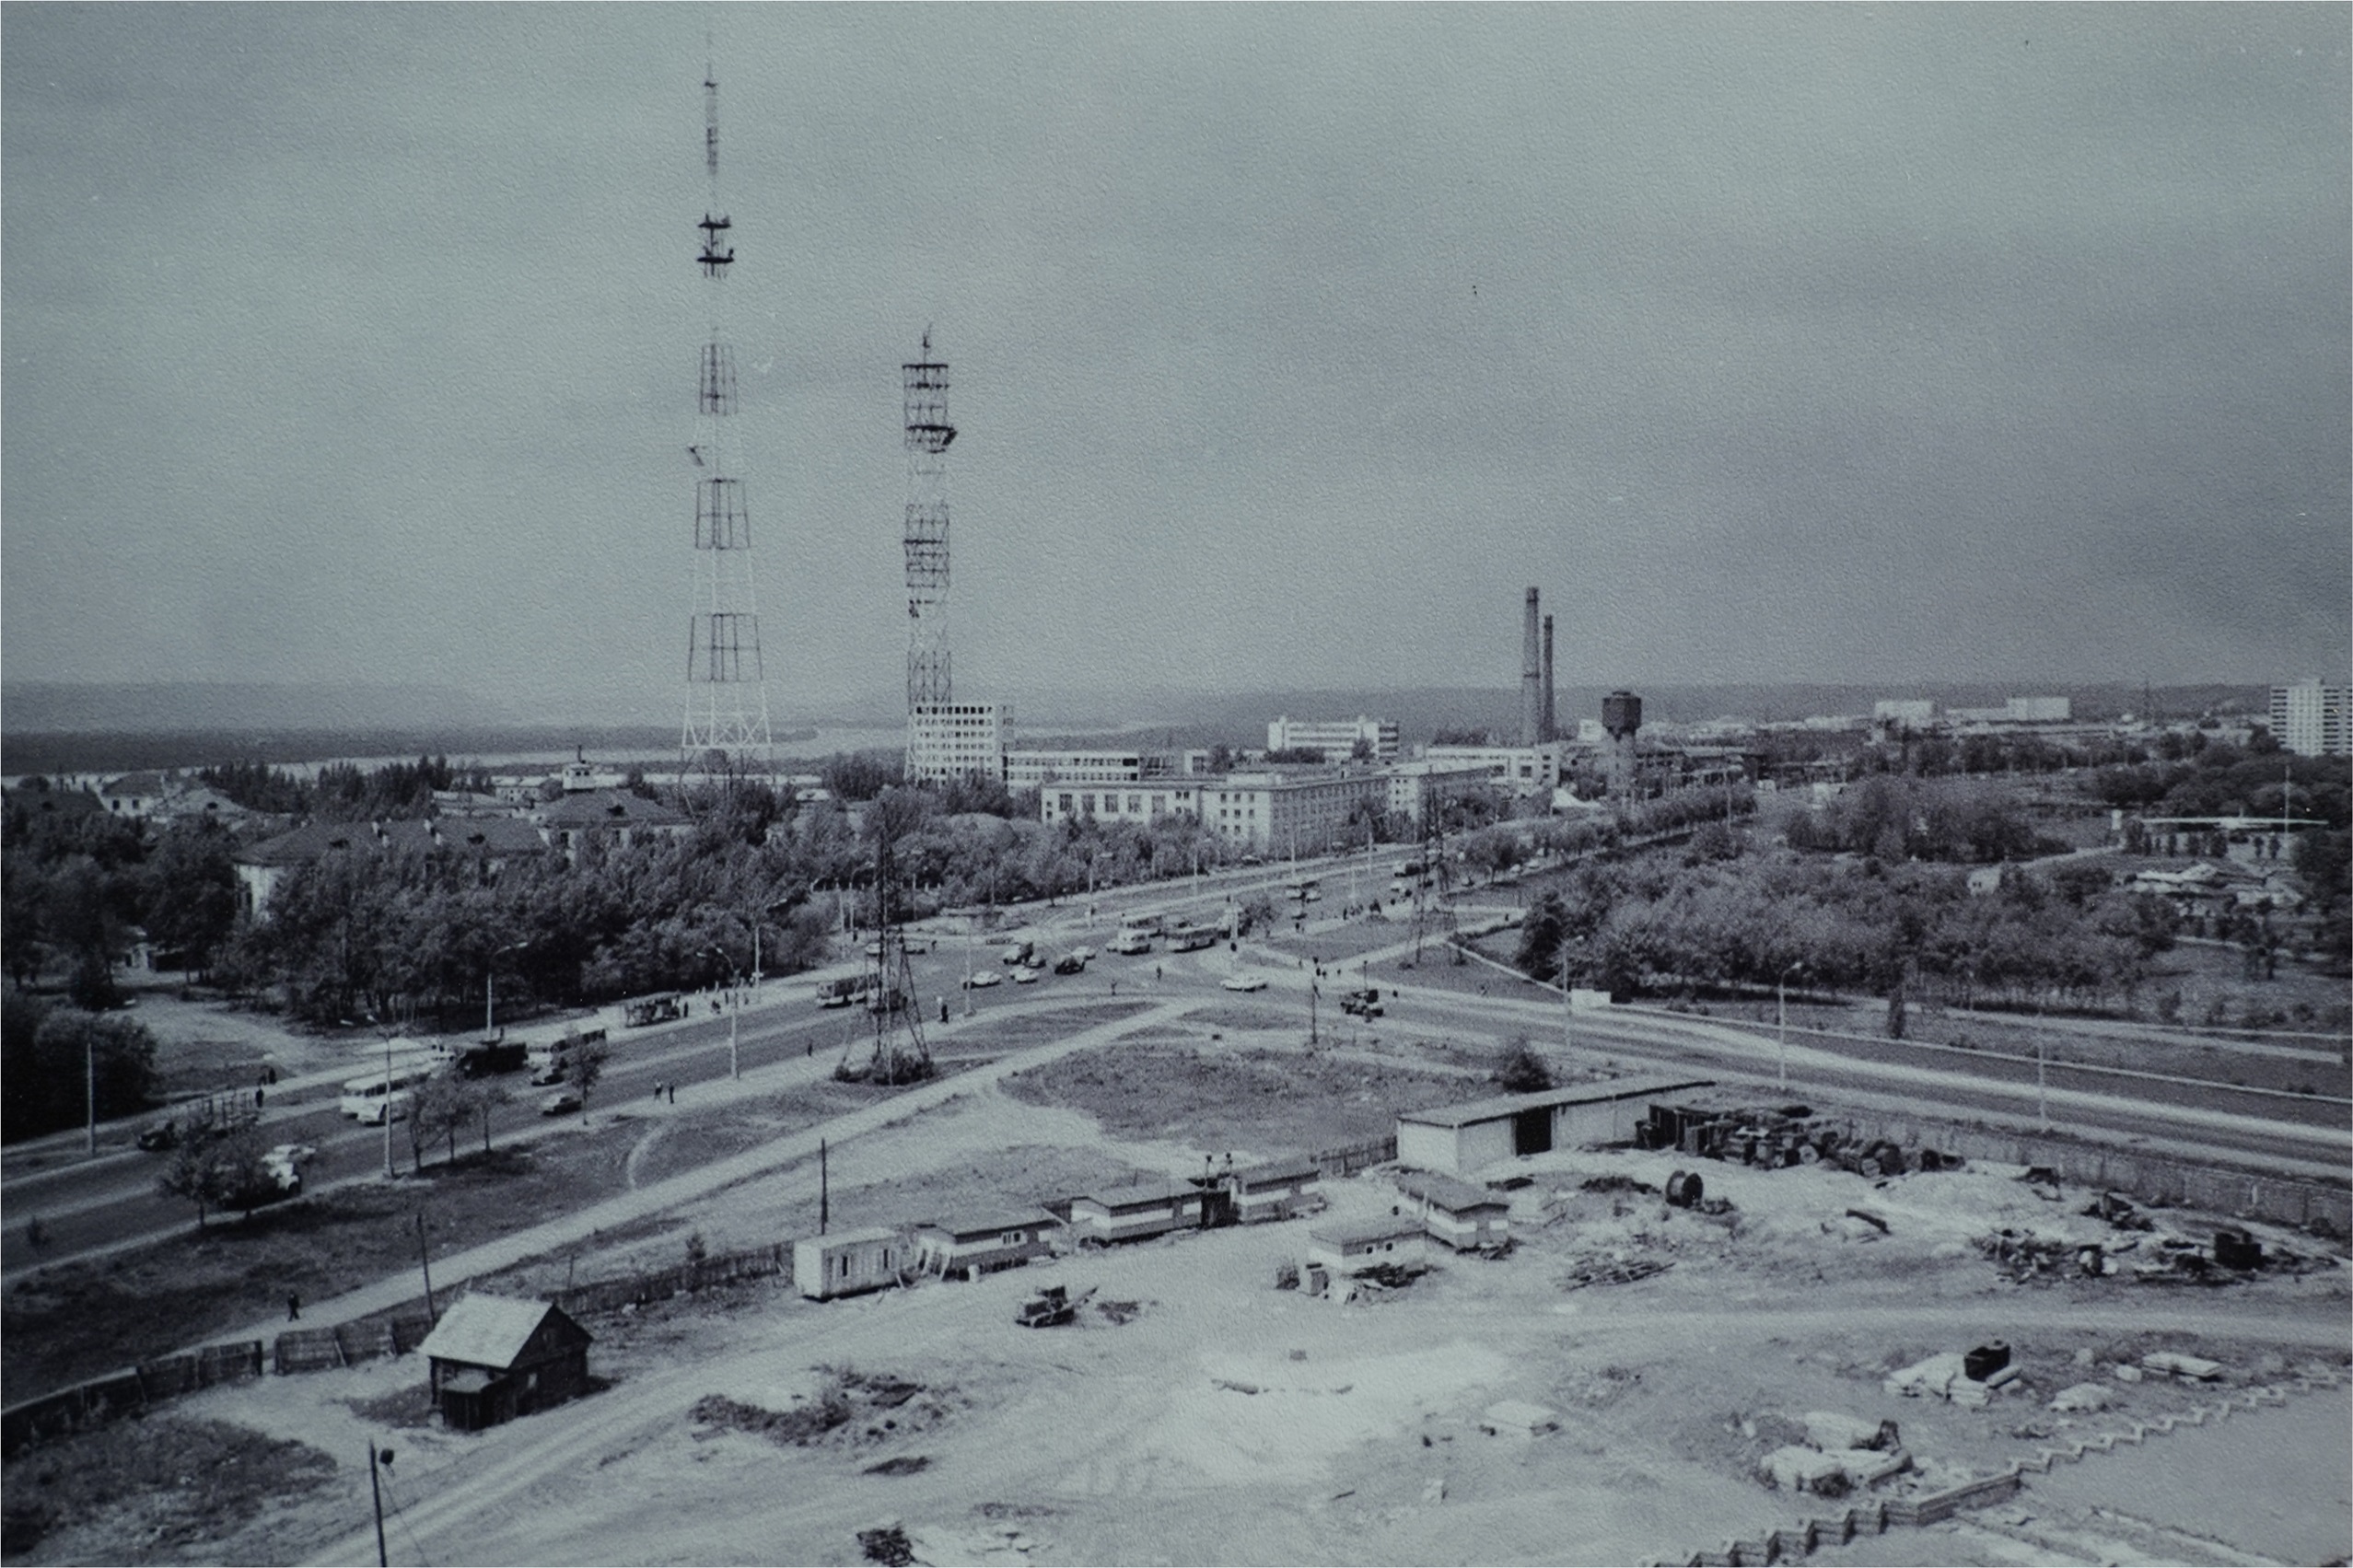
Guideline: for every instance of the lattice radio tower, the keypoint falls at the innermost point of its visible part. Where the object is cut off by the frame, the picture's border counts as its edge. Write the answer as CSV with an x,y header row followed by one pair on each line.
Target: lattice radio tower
x,y
928,436
726,694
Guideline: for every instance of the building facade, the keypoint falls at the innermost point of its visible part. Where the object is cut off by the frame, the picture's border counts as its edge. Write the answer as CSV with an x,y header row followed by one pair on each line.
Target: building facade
x,y
1035,769
1337,738
2307,719
1523,769
1415,787
957,741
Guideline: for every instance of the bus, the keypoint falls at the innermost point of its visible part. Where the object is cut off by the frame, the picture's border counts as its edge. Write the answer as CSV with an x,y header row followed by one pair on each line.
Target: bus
x,y
377,1096
1149,922
1185,939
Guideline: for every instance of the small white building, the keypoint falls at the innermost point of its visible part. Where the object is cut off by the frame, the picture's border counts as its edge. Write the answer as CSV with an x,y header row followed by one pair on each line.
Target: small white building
x,y
1460,1139
849,1262
1351,1247
957,741
1467,1218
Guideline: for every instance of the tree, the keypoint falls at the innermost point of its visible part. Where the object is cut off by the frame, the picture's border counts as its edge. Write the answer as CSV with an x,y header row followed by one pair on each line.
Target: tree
x,y
216,1165
1542,931
489,1096
1521,1070
582,1067
54,1055
438,1107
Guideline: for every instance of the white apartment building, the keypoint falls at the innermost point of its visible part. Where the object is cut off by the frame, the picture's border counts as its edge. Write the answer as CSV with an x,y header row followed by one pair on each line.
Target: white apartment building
x,y
957,741
1135,801
1337,738
2307,719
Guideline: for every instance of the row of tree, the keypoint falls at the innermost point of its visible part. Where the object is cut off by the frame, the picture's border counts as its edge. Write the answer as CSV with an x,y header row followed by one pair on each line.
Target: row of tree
x,y
1754,922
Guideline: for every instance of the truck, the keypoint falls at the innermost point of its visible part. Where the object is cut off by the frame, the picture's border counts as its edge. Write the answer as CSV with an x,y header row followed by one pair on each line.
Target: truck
x,y
484,1057
1364,1004
1019,953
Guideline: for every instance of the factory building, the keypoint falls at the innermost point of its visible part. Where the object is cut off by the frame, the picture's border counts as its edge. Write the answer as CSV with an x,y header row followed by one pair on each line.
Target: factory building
x,y
1522,770
1415,787
1337,738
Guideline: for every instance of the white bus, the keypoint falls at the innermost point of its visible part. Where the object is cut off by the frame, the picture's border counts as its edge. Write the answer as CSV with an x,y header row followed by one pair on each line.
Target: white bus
x,y
372,1097
1185,939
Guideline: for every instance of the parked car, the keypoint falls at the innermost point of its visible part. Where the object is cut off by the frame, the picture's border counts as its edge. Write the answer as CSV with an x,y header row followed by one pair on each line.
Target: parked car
x,y
1365,1003
1244,982
982,980
1070,963
159,1136
560,1103
1027,975
284,1165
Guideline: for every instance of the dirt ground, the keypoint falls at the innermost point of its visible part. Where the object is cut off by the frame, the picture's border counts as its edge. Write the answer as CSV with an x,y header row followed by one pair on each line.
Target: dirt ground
x,y
1215,1418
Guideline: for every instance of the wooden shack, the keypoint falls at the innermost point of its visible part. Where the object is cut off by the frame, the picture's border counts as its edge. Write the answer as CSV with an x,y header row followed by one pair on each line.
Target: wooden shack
x,y
1278,1189
493,1358
975,1245
1467,1218
1136,1211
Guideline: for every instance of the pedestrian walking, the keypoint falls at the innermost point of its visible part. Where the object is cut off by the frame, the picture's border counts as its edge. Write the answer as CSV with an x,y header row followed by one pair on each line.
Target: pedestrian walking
x,y
673,1094
35,1237
294,1306
657,1092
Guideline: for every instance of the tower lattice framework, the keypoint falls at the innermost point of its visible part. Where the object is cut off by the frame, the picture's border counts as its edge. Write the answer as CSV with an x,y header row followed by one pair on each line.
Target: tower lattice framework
x,y
929,436
726,693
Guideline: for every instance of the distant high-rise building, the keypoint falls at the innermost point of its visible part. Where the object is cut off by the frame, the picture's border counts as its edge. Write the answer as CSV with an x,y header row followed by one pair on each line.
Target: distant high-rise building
x,y
2307,719
957,741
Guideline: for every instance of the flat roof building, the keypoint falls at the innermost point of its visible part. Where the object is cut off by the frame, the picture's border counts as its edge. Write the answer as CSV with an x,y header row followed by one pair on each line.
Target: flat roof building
x,y
957,741
1337,738
2307,719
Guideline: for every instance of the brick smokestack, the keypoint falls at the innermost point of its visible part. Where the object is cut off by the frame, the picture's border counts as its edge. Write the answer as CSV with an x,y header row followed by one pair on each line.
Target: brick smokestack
x,y
1532,675
1552,722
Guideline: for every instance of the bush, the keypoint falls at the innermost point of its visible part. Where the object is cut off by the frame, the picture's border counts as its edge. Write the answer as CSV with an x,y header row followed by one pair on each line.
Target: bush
x,y
1522,1071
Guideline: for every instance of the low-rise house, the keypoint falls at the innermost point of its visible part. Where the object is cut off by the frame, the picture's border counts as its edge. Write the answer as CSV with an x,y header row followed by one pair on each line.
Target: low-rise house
x,y
849,1262
1467,1218
1137,1212
975,1245
1352,1247
1278,1189
492,841
493,1358
612,817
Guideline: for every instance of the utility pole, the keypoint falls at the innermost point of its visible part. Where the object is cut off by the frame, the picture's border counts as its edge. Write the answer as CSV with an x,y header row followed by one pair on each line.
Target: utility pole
x,y
375,1493
825,1189
386,1111
1781,1017
1567,982
89,1090
426,1264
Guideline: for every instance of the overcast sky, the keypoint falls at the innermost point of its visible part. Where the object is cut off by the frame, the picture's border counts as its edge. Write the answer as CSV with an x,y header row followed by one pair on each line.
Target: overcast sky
x,y
1289,345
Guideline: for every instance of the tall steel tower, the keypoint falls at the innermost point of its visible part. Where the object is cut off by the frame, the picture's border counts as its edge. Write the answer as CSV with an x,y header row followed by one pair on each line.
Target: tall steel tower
x,y
928,437
726,694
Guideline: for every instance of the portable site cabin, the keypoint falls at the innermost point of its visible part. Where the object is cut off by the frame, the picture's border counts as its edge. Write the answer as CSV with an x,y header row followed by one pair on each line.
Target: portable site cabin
x,y
1134,1213
1278,1189
1352,1247
849,1262
978,1244
1467,1218
1460,1139
493,1358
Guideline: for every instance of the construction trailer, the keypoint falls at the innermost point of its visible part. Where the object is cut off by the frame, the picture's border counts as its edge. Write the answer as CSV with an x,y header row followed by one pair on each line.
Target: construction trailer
x,y
1277,1189
1353,1247
973,1244
850,1261
1467,1218
1136,1213
493,1358
1458,1140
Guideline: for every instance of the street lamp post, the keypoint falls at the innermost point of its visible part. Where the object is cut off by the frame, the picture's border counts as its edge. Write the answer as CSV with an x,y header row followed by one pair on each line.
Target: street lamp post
x,y
490,986
1567,985
735,1009
1781,1015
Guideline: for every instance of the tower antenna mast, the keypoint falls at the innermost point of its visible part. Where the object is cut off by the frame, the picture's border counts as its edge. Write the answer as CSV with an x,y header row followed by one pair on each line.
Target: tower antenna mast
x,y
726,729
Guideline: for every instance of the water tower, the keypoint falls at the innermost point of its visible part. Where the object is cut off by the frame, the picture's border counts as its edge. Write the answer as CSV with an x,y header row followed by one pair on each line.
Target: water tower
x,y
1622,717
